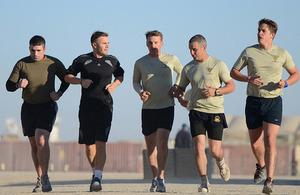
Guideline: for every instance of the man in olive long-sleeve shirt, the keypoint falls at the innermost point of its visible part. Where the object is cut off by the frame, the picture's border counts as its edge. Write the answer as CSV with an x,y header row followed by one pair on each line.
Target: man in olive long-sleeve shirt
x,y
35,74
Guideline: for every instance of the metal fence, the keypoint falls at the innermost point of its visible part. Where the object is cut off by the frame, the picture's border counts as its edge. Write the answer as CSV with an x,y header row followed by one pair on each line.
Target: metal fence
x,y
129,157
70,156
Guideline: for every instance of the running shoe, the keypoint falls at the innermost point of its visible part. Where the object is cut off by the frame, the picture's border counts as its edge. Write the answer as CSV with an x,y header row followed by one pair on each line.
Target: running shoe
x,y
204,188
260,173
38,186
224,172
97,184
268,186
46,186
153,185
161,185
92,181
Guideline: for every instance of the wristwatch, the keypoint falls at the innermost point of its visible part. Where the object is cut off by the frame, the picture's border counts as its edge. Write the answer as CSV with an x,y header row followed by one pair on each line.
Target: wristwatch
x,y
217,92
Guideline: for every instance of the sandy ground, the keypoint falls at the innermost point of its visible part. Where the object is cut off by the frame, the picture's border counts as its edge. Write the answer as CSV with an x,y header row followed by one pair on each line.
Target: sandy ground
x,y
132,183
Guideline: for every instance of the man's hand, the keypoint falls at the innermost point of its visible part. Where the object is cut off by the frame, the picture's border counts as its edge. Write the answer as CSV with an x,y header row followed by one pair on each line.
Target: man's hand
x,y
281,84
22,83
183,102
110,88
85,83
55,95
145,95
255,81
210,92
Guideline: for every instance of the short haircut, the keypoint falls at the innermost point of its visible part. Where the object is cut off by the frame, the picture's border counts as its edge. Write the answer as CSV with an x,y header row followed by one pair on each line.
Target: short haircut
x,y
154,33
199,39
37,40
271,24
98,34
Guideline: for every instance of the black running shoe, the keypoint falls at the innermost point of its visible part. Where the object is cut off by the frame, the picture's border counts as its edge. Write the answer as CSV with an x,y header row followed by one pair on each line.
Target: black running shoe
x,y
268,186
260,173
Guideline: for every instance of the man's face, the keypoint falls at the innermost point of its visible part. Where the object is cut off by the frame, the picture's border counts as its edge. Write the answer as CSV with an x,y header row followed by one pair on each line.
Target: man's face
x,y
264,35
197,51
154,44
37,52
101,46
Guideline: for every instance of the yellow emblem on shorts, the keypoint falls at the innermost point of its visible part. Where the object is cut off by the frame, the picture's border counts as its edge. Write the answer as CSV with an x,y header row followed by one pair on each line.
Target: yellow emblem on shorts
x,y
275,58
217,119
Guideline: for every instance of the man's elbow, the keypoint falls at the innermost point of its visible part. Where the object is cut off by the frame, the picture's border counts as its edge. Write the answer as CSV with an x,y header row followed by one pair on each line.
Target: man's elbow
x,y
232,73
11,86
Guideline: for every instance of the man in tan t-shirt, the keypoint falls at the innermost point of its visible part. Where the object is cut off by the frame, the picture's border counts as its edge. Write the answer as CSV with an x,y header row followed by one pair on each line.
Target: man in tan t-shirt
x,y
152,80
206,74
264,63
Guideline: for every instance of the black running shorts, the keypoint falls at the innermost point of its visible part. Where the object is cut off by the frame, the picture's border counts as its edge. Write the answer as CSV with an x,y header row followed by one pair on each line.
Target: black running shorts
x,y
263,109
153,119
40,116
201,122
95,123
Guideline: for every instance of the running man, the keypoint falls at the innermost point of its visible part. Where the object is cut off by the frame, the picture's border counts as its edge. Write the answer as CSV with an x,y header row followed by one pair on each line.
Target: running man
x,y
35,74
206,74
152,80
96,105
264,62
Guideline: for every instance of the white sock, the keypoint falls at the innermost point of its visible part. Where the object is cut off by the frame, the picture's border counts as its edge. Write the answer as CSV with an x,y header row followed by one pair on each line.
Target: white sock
x,y
98,173
93,169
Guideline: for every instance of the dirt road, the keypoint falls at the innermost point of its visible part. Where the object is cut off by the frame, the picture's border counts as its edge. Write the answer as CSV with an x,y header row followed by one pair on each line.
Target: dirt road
x,y
130,183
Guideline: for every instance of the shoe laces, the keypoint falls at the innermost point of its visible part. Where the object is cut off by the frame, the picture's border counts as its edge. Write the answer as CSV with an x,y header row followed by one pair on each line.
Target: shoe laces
x,y
258,169
38,182
160,181
269,180
154,182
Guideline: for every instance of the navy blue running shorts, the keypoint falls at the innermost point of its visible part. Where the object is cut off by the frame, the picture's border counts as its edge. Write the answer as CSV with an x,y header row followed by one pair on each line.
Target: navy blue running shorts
x,y
263,109
213,124
152,119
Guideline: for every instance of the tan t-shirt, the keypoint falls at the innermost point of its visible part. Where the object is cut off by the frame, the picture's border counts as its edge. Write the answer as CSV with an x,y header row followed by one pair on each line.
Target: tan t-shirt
x,y
211,73
268,65
156,75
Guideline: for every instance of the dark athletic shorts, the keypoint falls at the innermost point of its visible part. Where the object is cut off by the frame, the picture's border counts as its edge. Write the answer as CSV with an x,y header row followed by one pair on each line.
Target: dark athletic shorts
x,y
263,109
40,116
152,119
95,122
201,122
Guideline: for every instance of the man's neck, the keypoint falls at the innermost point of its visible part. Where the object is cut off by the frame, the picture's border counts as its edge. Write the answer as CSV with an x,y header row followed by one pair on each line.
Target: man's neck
x,y
154,55
203,59
98,55
266,46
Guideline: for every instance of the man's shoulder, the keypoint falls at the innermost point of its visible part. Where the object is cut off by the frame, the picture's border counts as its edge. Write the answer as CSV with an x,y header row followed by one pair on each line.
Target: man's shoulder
x,y
145,57
278,49
168,56
252,47
111,57
52,58
216,60
84,56
26,59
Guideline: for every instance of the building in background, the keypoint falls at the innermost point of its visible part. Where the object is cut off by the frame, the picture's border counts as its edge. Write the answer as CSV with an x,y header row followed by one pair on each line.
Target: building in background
x,y
13,131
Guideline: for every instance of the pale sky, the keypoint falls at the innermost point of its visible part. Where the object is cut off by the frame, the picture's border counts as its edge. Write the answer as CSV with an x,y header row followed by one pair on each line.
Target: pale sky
x,y
228,26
